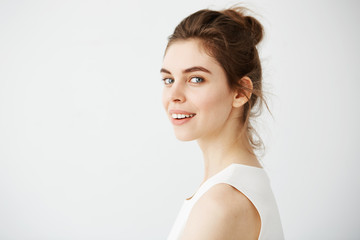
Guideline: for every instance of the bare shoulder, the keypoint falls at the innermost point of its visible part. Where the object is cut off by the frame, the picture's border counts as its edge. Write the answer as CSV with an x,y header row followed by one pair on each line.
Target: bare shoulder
x,y
224,213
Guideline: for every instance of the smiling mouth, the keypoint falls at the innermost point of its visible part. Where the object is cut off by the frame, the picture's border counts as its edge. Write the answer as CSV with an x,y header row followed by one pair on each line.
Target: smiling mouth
x,y
182,116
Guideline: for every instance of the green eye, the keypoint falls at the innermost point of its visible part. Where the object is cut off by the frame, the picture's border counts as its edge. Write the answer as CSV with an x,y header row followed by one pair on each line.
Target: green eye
x,y
168,81
196,80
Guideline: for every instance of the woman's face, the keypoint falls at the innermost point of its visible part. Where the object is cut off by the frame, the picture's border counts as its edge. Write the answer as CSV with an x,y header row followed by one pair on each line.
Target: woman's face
x,y
196,96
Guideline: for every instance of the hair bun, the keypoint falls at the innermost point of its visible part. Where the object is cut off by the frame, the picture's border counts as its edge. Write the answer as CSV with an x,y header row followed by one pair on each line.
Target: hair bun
x,y
248,23
255,28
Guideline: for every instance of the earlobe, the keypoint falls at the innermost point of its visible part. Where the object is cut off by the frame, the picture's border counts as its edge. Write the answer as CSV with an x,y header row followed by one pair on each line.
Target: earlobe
x,y
241,96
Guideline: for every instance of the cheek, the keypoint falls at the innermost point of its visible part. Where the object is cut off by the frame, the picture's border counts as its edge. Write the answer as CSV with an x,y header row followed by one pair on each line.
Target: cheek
x,y
215,103
164,99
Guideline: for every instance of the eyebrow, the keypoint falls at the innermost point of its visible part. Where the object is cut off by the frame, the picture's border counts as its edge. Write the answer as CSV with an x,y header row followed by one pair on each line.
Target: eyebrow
x,y
188,70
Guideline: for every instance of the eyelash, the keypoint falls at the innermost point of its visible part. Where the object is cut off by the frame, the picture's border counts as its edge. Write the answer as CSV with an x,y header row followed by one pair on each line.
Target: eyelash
x,y
199,78
198,81
166,79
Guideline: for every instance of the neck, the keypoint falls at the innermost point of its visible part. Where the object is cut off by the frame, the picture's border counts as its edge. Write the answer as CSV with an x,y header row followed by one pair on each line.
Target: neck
x,y
224,149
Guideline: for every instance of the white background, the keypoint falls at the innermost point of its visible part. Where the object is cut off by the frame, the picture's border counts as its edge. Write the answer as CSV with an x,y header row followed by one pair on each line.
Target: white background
x,y
86,151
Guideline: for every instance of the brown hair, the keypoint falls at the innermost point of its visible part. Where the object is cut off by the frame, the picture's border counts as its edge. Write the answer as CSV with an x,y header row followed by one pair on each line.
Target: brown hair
x,y
231,38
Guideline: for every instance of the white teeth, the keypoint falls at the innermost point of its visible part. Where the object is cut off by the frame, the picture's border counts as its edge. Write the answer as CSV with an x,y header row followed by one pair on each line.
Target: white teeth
x,y
181,116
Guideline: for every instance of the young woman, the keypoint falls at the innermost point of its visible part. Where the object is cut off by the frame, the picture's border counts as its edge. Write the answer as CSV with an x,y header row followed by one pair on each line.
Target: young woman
x,y
212,80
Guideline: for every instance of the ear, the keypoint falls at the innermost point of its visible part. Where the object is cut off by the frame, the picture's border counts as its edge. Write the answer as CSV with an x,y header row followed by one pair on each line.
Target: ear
x,y
239,97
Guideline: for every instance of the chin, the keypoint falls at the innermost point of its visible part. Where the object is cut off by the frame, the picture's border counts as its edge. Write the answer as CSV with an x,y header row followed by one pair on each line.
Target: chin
x,y
183,136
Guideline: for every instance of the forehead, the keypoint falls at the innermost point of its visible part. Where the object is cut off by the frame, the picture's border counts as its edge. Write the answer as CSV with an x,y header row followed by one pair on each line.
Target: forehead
x,y
188,53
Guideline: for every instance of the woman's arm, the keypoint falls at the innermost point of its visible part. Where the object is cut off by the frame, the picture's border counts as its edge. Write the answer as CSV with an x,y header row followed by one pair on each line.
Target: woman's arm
x,y
222,213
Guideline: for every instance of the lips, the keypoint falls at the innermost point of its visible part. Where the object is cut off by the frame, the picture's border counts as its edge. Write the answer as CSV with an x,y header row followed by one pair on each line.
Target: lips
x,y
174,111
179,117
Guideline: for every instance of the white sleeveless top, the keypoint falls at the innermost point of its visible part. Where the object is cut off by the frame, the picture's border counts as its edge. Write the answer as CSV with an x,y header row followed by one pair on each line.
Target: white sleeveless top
x,y
254,183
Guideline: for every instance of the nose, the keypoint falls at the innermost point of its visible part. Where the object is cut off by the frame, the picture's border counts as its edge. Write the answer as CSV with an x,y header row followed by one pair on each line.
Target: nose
x,y
177,93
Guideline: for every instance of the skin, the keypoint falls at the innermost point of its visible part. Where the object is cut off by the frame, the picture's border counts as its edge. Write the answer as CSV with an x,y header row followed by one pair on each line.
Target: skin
x,y
196,83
